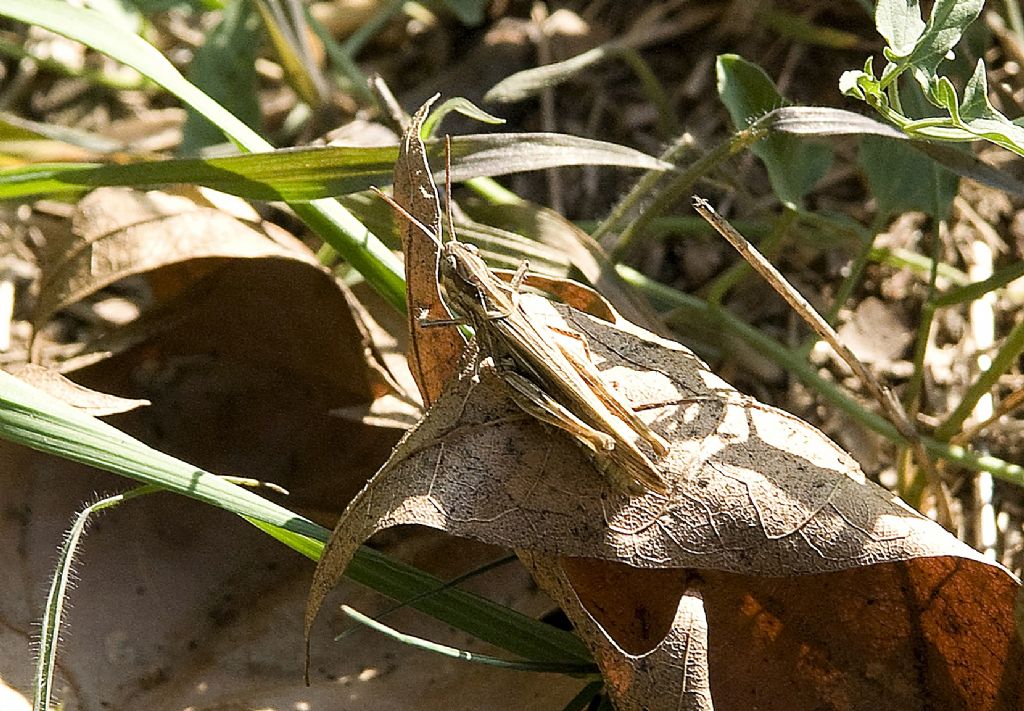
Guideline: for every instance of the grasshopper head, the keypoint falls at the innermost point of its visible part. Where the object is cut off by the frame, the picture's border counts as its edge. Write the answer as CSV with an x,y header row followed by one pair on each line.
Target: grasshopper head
x,y
465,276
461,263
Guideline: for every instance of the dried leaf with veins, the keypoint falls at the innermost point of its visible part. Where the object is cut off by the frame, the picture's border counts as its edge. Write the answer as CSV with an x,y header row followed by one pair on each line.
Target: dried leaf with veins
x,y
772,576
431,351
234,366
118,232
97,404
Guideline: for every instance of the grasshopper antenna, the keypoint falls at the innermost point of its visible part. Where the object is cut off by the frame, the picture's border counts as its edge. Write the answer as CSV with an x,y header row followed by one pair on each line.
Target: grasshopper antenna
x,y
405,214
448,186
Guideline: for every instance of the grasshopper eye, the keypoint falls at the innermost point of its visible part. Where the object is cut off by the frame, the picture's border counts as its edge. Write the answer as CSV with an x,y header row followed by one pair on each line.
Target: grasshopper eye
x,y
449,264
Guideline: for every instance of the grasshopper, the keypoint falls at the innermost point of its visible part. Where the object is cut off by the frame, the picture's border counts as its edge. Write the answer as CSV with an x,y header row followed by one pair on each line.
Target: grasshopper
x,y
547,380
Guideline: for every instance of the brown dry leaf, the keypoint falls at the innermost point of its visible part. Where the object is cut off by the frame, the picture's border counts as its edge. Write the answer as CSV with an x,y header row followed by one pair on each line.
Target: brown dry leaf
x,y
813,587
647,659
433,352
89,401
177,604
386,343
875,334
118,232
579,296
259,354
181,606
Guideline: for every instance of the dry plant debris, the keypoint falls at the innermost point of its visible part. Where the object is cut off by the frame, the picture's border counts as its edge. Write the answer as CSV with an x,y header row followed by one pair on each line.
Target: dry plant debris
x,y
774,574
762,507
757,502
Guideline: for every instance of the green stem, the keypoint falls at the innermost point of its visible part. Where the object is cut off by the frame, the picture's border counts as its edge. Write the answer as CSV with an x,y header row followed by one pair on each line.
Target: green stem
x,y
912,399
605,232
1002,362
697,310
917,263
974,290
668,124
912,393
672,192
50,626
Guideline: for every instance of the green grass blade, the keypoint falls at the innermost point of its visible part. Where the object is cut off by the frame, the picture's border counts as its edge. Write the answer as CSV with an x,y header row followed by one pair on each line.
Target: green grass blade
x,y
95,30
49,628
327,218
1004,359
455,653
32,418
300,174
35,419
224,67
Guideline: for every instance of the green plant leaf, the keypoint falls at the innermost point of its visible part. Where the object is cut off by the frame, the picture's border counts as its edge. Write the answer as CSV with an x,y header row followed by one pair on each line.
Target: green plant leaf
x,y
460,105
920,49
946,25
861,84
903,179
746,90
825,121
794,165
970,119
530,82
900,23
975,103
297,174
943,94
225,68
965,164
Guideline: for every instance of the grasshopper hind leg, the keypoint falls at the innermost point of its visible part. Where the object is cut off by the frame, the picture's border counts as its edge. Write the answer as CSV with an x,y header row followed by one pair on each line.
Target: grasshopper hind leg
x,y
619,469
538,404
